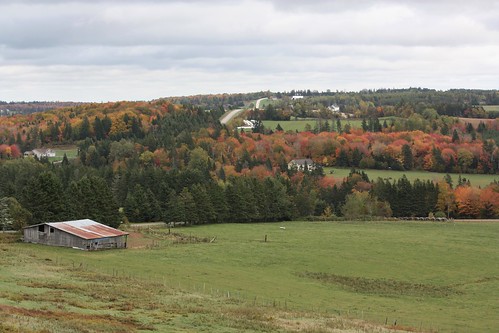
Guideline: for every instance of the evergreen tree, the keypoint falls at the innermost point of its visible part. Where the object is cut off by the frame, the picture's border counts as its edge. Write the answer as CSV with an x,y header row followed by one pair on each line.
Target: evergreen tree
x,y
175,208
91,198
216,194
455,136
65,161
98,129
186,200
44,198
338,125
408,159
84,129
365,128
204,208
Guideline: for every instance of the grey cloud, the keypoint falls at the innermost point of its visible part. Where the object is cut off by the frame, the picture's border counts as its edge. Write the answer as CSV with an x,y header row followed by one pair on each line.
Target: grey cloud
x,y
92,48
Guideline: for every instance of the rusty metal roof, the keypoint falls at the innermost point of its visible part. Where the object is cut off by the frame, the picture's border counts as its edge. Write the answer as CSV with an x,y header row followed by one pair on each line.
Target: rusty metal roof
x,y
87,229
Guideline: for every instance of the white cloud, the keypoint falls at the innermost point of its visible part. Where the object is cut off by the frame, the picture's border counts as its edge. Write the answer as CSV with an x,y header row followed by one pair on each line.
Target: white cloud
x,y
110,50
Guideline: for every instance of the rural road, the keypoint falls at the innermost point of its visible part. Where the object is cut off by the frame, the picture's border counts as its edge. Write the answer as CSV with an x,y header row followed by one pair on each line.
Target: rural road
x,y
257,104
229,115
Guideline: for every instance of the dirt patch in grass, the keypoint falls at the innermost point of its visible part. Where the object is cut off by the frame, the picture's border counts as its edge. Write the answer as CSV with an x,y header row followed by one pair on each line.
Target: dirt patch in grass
x,y
384,287
136,240
86,322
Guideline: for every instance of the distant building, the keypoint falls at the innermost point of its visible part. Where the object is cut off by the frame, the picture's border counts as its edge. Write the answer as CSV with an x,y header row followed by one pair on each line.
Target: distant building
x,y
296,97
40,152
80,234
301,164
334,108
248,124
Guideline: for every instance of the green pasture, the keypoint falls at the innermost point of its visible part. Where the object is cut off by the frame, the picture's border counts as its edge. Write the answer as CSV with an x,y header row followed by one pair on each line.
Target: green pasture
x,y
431,276
299,124
290,125
491,108
264,103
475,179
71,152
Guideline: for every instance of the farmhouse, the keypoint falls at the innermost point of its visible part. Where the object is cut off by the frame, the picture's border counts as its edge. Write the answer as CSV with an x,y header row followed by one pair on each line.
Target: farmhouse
x,y
80,234
301,164
41,152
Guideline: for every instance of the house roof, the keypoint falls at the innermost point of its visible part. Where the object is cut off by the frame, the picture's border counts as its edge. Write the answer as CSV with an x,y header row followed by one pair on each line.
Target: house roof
x,y
42,150
86,229
302,161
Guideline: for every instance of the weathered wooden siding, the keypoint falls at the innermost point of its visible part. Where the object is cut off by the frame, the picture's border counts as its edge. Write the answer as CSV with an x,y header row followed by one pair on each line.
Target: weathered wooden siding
x,y
44,234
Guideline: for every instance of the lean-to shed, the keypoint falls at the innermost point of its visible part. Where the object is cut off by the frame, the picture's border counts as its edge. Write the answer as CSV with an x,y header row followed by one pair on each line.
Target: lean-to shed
x,y
82,234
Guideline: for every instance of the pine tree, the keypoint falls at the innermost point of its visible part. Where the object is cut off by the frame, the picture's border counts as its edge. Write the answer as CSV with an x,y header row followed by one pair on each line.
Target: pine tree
x,y
187,201
44,198
407,157
204,207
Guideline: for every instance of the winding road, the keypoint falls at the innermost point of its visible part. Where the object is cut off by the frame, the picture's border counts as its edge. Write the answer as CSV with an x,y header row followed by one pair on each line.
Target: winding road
x,y
231,114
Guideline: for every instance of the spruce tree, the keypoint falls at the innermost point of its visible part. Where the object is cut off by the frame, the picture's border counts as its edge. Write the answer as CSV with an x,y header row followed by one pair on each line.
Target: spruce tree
x,y
44,198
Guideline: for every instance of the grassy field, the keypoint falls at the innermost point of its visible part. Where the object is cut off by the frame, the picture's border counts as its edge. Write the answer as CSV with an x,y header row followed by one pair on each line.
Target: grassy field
x,y
299,125
310,276
490,108
264,103
289,125
475,179
70,151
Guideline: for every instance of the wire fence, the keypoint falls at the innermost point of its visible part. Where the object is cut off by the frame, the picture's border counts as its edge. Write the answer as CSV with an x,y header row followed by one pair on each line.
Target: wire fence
x,y
389,320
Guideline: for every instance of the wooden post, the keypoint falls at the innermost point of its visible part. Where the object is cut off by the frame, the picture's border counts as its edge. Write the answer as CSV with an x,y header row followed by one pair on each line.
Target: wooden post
x,y
265,238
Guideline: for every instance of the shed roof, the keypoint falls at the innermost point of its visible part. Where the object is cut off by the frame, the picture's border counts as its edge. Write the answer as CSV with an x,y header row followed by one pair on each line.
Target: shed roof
x,y
87,229
302,161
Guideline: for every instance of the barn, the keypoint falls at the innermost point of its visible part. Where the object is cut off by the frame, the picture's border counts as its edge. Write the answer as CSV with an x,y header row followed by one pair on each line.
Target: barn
x,y
80,234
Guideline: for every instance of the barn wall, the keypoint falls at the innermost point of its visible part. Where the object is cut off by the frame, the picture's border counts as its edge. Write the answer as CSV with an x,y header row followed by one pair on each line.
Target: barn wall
x,y
118,242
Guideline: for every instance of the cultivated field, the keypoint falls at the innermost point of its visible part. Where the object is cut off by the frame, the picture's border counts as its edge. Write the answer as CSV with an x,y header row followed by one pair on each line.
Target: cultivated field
x,y
475,179
491,108
299,125
313,277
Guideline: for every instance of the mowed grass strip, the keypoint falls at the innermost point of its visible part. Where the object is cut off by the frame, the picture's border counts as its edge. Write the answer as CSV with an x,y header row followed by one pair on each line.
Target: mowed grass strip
x,y
491,108
431,275
481,180
300,124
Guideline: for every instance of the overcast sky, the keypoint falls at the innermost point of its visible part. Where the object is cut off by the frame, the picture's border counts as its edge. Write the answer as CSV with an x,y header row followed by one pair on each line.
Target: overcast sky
x,y
90,50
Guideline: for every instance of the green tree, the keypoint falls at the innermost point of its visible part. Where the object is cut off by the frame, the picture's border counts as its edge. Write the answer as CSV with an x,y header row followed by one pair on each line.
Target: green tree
x,y
92,198
407,157
187,201
361,204
6,220
45,199
204,208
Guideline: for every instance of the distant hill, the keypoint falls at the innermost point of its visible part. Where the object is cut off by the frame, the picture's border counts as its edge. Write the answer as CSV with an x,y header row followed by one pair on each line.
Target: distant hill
x,y
10,108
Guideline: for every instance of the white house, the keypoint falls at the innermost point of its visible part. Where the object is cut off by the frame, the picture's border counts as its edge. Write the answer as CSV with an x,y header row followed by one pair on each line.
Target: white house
x,y
40,152
301,164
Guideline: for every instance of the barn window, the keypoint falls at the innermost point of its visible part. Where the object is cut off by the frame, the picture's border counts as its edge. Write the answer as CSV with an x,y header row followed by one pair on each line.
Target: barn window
x,y
51,230
41,228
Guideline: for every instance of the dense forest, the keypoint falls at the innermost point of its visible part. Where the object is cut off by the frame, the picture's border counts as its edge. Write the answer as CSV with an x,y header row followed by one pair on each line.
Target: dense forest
x,y
172,160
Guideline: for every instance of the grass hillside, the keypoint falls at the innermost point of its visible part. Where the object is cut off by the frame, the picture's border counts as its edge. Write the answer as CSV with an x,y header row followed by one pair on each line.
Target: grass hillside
x,y
475,179
226,278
